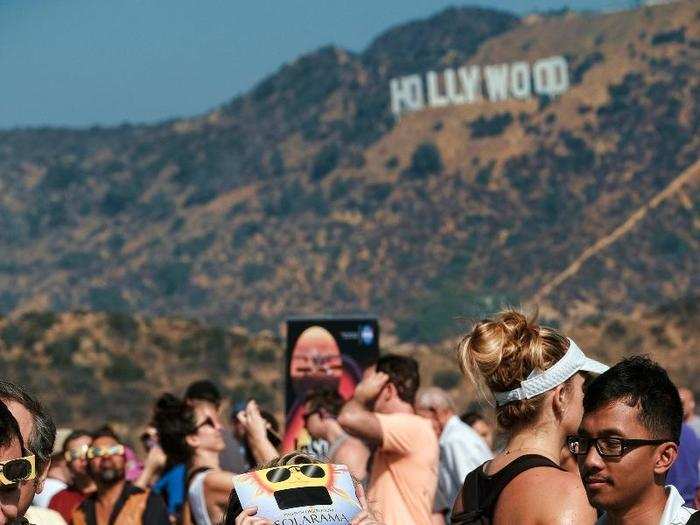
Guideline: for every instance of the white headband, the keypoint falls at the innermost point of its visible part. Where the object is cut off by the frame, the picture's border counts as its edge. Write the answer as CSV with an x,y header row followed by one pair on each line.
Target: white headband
x,y
540,381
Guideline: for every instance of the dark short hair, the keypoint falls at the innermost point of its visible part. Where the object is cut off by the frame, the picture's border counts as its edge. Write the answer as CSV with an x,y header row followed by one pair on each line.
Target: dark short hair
x,y
640,382
43,435
73,436
403,374
9,429
324,399
203,390
106,431
472,417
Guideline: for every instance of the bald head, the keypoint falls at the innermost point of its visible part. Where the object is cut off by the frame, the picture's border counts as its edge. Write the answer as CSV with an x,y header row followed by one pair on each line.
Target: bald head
x,y
434,398
688,401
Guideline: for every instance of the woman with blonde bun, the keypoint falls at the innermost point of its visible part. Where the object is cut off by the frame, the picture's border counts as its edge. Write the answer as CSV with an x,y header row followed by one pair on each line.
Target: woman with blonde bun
x,y
536,376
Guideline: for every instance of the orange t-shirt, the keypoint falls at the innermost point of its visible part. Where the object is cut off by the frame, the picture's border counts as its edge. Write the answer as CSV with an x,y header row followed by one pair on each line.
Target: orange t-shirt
x,y
404,470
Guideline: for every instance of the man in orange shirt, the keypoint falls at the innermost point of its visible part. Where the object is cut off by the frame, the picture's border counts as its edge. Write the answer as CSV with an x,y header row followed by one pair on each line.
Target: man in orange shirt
x,y
404,468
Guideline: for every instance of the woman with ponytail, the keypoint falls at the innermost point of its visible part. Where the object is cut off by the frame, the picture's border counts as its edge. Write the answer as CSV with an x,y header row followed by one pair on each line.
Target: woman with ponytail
x,y
536,376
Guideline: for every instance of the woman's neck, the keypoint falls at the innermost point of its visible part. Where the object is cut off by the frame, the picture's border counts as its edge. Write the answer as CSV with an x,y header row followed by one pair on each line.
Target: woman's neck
x,y
546,440
205,458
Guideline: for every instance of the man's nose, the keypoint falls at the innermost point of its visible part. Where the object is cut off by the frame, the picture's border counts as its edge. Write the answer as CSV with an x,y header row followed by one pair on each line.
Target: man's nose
x,y
592,460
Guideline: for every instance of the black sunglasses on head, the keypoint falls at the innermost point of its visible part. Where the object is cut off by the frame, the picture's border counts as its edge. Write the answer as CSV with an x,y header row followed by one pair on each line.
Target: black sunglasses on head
x,y
608,447
276,475
207,422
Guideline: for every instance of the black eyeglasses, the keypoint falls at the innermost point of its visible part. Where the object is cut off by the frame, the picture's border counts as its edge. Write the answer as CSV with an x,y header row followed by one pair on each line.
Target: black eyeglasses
x,y
608,447
276,475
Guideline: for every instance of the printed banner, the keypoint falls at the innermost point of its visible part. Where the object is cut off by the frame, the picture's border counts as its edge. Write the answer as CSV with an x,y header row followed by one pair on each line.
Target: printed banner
x,y
324,353
300,494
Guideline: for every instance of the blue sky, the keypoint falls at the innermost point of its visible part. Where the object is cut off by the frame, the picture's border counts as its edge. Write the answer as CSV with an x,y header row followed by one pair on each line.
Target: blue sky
x,y
85,62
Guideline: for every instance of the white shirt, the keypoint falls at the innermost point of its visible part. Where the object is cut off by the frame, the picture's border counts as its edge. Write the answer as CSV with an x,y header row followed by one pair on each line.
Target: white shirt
x,y
42,516
52,487
675,512
461,451
197,500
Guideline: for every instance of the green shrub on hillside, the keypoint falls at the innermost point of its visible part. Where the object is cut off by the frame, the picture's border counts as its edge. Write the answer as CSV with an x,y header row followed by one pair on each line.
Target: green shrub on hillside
x,y
28,329
490,127
325,161
253,272
108,299
426,160
123,325
61,351
123,369
173,277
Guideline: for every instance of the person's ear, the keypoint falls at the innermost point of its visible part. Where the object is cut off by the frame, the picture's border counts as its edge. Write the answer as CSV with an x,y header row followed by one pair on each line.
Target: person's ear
x,y
192,440
558,400
666,454
41,477
389,391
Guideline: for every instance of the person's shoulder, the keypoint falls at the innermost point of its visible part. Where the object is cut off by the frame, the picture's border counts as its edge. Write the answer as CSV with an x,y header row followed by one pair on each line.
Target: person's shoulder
x,y
549,493
218,480
412,422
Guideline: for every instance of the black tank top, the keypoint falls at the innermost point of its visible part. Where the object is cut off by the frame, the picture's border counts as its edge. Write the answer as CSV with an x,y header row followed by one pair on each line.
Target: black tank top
x,y
480,492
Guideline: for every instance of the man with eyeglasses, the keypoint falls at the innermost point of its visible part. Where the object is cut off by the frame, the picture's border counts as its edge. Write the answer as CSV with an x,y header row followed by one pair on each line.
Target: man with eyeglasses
x,y
75,449
627,442
116,501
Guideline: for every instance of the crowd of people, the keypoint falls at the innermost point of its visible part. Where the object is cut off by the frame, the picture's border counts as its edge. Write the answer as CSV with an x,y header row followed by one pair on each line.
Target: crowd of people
x,y
573,442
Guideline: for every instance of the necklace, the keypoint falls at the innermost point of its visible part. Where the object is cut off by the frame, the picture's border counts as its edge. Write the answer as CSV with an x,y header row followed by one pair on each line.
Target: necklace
x,y
545,453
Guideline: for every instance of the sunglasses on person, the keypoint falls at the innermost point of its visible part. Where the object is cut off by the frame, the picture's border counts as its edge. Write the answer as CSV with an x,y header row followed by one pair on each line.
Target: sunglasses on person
x,y
208,422
279,474
101,452
76,453
16,470
608,447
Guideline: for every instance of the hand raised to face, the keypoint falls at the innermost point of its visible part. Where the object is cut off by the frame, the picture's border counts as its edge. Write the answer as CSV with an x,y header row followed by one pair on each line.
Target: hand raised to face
x,y
371,385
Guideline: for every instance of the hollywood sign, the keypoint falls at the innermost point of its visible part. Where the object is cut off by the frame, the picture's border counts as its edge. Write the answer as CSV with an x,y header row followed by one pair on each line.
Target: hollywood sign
x,y
466,85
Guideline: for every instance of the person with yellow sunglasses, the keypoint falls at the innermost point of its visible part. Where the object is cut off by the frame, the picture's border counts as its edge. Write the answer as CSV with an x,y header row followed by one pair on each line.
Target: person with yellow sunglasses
x,y
75,449
116,500
17,466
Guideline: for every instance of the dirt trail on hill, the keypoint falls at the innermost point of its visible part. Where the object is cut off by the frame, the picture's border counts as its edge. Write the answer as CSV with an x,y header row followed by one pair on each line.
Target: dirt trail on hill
x,y
687,176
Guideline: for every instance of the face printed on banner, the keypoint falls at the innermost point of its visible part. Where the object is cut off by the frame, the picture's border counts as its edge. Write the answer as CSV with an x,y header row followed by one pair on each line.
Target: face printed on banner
x,y
316,360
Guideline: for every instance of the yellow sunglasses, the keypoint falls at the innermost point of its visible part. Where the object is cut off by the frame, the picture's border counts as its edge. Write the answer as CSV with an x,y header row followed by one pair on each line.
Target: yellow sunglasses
x,y
100,452
76,453
16,470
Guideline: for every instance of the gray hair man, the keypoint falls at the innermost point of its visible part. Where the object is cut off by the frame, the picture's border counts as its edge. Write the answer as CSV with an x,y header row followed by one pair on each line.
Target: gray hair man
x,y
38,433
461,448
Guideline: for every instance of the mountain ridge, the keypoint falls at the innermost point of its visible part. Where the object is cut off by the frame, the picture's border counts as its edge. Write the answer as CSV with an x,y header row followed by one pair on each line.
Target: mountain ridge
x,y
306,195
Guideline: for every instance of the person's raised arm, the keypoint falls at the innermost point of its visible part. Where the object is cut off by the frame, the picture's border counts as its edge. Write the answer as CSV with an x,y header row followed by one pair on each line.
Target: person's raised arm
x,y
256,433
356,418
152,467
